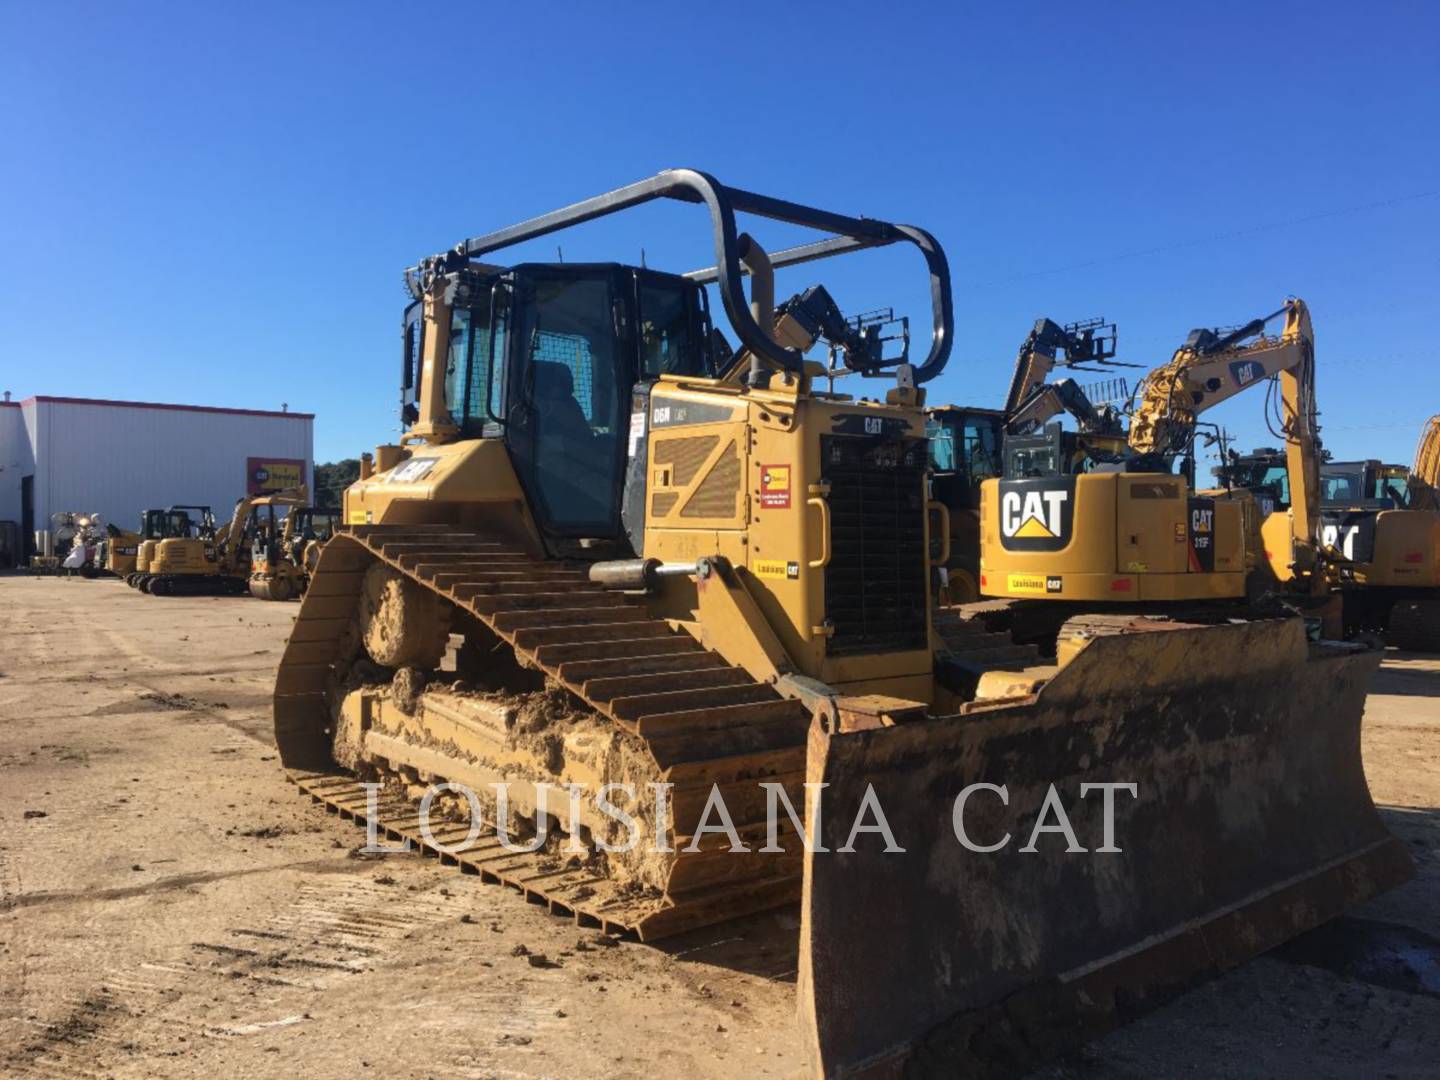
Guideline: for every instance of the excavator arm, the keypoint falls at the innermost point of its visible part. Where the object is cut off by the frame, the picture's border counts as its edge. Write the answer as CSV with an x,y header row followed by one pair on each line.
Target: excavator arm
x,y
1211,368
1033,399
1425,473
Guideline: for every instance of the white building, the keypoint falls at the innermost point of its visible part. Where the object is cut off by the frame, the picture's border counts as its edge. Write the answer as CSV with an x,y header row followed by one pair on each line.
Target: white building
x,y
118,458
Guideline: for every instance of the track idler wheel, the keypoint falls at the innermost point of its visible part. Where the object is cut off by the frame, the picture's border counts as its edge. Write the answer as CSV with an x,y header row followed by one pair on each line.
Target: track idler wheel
x,y
401,622
1415,625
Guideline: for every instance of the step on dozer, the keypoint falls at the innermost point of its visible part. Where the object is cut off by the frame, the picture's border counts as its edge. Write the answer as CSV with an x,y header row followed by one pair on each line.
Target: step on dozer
x,y
616,547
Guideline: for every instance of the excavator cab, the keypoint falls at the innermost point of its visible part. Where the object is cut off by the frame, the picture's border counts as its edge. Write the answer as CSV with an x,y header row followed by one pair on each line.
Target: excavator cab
x,y
174,523
1263,473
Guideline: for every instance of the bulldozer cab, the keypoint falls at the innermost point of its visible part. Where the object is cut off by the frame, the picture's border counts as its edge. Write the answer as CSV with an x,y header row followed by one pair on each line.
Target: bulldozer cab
x,y
546,356
556,360
965,450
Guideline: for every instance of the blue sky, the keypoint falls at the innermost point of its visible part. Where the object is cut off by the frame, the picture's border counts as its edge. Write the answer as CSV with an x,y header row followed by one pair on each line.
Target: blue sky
x,y
214,204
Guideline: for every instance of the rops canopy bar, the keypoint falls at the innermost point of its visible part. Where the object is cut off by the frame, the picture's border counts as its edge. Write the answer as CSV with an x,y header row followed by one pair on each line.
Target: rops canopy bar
x,y
690,185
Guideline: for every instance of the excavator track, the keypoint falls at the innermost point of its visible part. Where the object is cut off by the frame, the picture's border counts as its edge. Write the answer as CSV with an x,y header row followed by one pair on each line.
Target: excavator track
x,y
1415,625
703,721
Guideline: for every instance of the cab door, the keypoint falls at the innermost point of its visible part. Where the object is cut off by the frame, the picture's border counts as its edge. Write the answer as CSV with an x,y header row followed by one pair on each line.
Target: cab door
x,y
568,415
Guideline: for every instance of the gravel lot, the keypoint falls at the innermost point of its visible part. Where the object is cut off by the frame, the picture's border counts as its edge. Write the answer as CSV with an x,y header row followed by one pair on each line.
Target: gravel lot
x,y
170,906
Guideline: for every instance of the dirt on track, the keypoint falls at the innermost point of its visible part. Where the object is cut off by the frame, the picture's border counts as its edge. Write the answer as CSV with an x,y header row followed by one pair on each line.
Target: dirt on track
x,y
169,906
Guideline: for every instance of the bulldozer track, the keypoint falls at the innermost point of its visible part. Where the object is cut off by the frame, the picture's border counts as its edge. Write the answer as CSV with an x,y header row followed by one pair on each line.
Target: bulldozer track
x,y
705,722
971,643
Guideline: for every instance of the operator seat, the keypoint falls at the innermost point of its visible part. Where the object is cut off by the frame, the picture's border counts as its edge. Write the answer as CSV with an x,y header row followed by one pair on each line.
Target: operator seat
x,y
561,422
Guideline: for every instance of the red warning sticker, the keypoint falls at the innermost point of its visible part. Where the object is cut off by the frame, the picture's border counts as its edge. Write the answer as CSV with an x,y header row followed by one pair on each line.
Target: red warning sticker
x,y
775,487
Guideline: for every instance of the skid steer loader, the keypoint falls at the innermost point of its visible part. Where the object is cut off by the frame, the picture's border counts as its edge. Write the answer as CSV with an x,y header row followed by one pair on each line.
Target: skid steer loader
x,y
677,565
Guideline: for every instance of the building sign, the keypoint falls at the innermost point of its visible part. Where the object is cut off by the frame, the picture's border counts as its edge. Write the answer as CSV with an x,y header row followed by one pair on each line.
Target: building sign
x,y
265,476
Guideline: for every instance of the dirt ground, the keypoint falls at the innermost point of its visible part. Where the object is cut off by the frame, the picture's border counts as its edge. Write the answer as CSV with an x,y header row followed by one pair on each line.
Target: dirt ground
x,y
169,905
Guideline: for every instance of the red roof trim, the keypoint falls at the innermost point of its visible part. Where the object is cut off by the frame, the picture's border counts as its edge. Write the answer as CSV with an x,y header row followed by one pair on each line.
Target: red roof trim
x,y
12,404
162,405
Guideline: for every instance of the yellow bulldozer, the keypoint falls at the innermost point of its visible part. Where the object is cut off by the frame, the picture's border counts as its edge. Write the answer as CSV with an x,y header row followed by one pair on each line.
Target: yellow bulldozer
x,y
669,565
284,549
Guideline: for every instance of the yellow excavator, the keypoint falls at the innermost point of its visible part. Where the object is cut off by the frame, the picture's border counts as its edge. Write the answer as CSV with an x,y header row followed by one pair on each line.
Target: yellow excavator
x,y
157,525
667,559
966,442
284,550
1381,523
121,548
122,551
1390,537
213,560
1082,522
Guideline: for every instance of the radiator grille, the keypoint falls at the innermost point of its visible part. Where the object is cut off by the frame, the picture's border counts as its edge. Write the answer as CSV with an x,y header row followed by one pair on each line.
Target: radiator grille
x,y
684,456
716,494
875,585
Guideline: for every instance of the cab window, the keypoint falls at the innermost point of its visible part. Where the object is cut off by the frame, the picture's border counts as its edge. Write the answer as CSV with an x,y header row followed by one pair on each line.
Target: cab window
x,y
672,332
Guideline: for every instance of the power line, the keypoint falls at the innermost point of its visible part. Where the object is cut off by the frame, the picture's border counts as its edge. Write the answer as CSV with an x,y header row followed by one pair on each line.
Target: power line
x,y
1180,245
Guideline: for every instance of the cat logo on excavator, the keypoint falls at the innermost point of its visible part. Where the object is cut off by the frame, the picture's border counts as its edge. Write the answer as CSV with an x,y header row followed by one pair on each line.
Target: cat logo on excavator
x,y
1035,515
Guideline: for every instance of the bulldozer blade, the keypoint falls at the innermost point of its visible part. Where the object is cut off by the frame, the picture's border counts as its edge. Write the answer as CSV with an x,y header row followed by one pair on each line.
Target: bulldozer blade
x,y
1251,823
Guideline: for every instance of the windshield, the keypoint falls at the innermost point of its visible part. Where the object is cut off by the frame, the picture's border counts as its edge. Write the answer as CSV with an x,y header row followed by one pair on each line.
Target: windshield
x,y
320,526
472,396
1393,485
1277,479
1357,484
1342,487
1032,461
942,446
